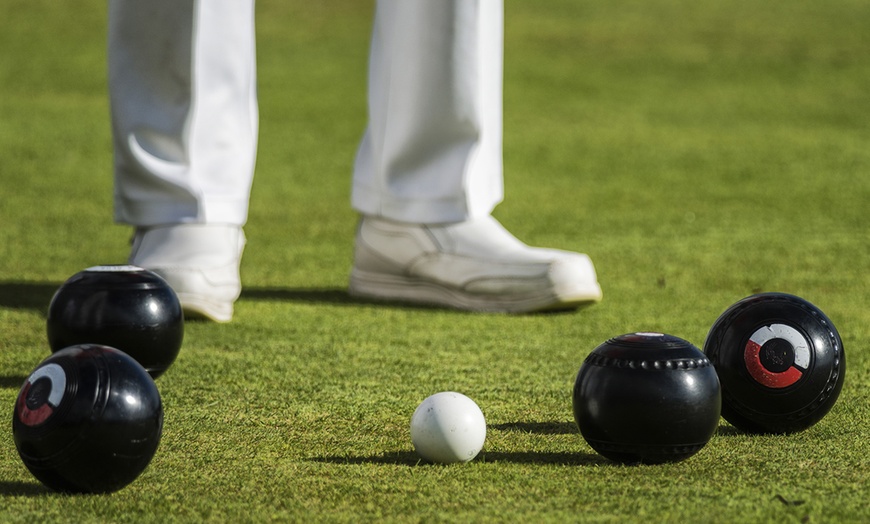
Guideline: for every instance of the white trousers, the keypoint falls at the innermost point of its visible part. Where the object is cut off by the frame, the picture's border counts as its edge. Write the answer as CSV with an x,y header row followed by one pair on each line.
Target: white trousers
x,y
182,83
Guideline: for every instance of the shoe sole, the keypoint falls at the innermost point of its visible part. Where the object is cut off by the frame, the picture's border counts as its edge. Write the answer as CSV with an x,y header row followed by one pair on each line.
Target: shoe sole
x,y
195,307
376,286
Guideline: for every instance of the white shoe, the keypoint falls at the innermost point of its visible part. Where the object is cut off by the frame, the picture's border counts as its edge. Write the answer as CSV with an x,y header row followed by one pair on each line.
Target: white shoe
x,y
200,262
475,265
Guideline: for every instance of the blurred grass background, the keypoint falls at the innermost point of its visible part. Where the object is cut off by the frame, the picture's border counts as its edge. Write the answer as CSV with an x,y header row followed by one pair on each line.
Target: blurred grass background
x,y
698,151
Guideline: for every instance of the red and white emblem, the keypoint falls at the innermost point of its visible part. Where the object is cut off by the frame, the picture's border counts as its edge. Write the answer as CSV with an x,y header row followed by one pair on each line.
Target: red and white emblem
x,y
41,394
772,368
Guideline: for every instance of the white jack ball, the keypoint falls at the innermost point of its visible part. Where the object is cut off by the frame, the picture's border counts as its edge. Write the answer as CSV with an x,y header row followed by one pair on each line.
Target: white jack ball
x,y
448,427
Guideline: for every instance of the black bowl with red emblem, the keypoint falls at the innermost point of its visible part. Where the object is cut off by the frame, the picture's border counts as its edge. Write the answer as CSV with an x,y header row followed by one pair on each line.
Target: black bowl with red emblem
x,y
88,419
780,361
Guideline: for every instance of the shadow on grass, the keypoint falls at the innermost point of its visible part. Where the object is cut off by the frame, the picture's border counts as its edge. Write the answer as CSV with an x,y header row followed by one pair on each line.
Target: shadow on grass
x,y
401,458
341,296
312,295
545,457
12,381
538,428
27,295
410,458
36,296
726,430
26,489
334,296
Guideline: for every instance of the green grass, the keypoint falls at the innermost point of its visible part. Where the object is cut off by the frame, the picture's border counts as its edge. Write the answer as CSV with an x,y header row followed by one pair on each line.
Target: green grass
x,y
698,151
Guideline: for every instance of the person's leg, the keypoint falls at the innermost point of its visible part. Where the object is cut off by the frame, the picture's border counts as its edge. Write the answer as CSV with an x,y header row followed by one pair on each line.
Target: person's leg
x,y
428,172
184,110
182,86
431,151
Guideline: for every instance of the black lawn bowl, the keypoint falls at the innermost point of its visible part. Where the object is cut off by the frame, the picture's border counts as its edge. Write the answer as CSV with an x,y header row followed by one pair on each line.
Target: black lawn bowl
x,y
125,307
647,398
88,419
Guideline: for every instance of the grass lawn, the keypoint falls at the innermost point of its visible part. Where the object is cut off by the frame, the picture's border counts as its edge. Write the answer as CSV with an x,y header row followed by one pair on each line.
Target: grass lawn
x,y
699,151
